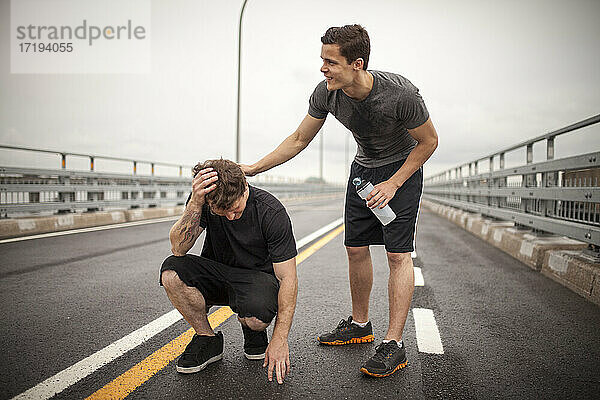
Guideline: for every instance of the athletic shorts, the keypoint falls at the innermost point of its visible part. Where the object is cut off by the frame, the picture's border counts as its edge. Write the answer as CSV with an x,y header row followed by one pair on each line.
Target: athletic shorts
x,y
249,293
362,228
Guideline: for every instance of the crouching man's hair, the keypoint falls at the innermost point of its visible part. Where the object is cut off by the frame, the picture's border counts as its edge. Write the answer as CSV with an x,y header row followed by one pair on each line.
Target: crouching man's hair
x,y
231,184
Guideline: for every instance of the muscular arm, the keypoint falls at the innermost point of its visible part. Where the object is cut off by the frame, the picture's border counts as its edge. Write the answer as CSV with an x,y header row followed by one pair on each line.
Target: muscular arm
x,y
427,141
277,353
286,299
186,230
289,148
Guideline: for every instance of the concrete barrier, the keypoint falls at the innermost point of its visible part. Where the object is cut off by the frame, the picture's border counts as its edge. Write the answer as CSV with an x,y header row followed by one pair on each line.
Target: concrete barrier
x,y
16,227
573,270
151,213
534,248
557,257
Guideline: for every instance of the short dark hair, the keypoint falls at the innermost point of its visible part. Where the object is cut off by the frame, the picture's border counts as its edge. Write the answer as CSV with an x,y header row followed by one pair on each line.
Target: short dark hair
x,y
231,183
353,41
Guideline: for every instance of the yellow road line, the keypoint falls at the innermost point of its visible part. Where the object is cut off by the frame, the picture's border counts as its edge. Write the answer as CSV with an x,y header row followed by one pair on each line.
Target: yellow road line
x,y
122,386
316,246
130,380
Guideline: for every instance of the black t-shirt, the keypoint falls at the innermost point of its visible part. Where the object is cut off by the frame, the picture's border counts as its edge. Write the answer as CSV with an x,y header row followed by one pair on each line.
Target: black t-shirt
x,y
260,237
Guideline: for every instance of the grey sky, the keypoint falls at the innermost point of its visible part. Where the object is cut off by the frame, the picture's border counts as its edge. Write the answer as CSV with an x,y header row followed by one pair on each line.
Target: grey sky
x,y
491,74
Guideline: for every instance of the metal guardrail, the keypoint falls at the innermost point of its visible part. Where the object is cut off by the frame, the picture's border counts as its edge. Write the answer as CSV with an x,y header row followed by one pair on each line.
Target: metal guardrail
x,y
31,190
559,196
92,158
27,190
268,178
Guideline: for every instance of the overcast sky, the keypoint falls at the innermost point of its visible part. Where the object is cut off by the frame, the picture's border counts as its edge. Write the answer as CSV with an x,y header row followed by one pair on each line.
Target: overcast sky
x,y
491,73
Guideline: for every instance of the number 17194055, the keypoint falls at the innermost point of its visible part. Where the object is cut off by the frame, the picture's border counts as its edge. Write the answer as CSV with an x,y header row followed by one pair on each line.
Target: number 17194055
x,y
46,47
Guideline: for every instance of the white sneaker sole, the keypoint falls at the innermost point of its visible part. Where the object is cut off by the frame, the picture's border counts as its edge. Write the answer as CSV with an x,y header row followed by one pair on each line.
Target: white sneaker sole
x,y
254,356
191,370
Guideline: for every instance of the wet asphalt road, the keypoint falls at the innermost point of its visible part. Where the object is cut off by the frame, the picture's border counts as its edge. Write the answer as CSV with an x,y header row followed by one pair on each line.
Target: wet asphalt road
x,y
507,331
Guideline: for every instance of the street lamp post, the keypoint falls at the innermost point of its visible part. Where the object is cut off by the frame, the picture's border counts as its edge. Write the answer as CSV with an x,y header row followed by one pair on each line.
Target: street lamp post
x,y
237,135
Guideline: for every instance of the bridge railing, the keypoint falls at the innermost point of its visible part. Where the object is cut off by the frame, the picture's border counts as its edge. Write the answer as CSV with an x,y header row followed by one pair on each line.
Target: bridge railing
x,y
25,191
560,196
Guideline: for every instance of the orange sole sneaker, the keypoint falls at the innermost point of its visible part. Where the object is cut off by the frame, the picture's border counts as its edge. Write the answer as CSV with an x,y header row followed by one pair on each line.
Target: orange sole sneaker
x,y
364,339
400,366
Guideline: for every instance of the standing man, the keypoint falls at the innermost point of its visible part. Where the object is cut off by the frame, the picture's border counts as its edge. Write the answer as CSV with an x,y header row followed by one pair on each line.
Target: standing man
x,y
247,262
395,137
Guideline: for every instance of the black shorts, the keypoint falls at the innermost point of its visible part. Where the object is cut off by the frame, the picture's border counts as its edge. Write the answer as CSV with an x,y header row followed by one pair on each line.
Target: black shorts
x,y
249,293
362,228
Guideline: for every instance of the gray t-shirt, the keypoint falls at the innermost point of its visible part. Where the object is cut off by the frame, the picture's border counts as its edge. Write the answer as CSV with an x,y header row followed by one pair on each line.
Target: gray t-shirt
x,y
379,123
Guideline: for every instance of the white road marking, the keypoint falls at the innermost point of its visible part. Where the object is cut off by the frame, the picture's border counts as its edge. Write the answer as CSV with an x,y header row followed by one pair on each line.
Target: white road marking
x,y
302,242
419,281
85,367
67,377
428,335
91,229
307,239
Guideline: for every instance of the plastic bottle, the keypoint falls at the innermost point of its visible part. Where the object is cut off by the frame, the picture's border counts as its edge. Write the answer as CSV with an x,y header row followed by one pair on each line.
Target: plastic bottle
x,y
363,188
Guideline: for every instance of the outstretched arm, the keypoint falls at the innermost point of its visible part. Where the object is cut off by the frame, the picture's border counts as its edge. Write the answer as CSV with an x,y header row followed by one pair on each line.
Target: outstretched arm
x,y
277,355
289,148
187,229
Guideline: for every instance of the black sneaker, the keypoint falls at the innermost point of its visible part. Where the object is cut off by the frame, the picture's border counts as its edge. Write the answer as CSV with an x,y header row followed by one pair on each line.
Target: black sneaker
x,y
346,333
388,359
255,343
201,351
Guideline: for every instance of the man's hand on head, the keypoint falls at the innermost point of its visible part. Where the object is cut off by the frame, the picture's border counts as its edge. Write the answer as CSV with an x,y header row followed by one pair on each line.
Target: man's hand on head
x,y
277,357
202,184
248,170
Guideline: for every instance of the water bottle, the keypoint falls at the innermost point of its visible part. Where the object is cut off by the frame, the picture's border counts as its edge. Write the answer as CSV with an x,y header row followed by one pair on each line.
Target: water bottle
x,y
363,188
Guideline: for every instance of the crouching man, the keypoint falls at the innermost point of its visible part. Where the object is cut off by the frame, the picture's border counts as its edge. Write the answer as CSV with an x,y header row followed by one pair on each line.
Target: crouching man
x,y
247,262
